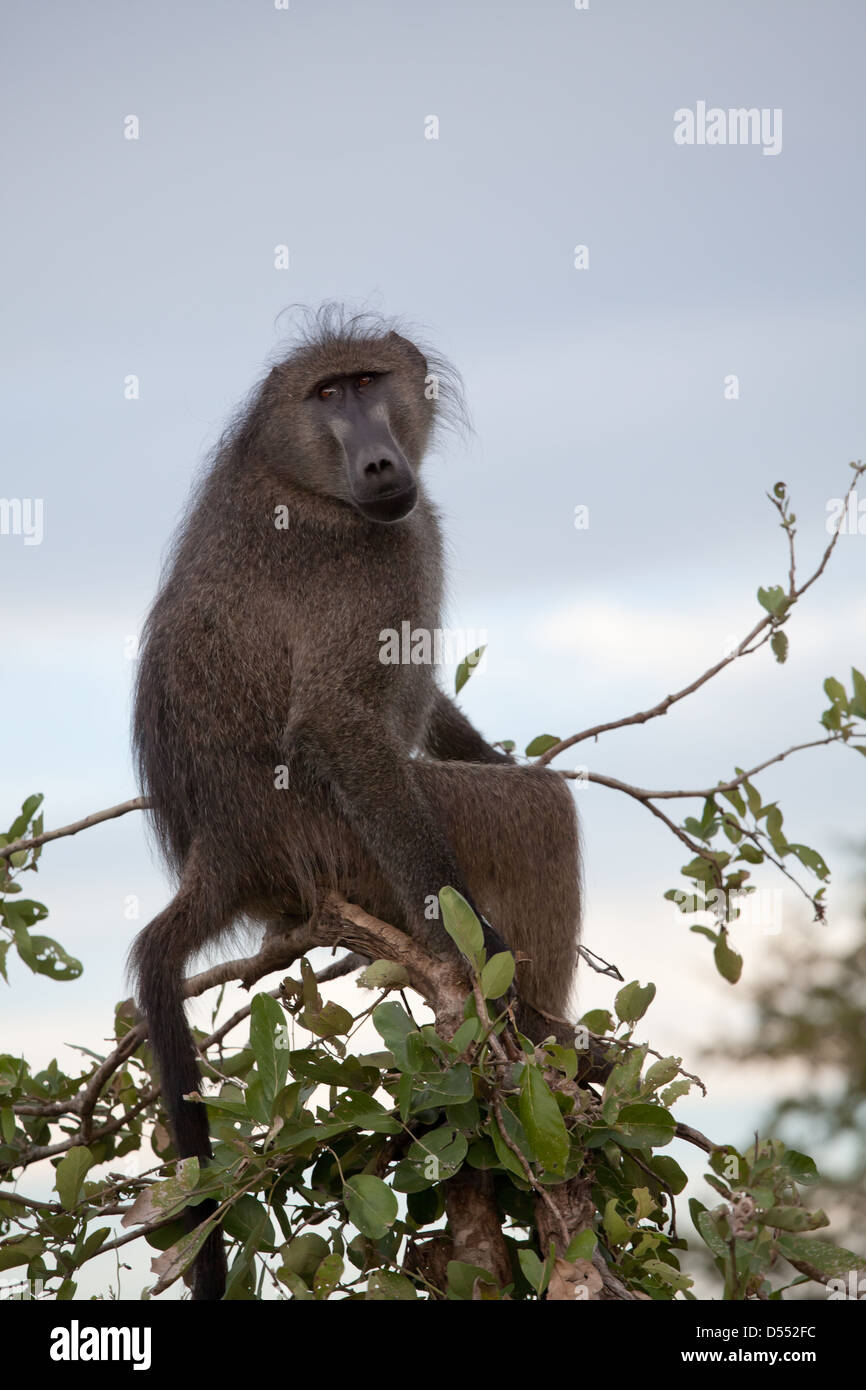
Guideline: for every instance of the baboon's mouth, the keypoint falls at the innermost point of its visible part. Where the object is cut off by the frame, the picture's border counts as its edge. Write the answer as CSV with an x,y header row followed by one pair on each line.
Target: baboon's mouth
x,y
388,506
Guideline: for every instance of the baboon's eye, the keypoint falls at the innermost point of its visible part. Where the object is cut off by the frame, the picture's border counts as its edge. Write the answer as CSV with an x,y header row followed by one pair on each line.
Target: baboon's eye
x,y
326,391
363,380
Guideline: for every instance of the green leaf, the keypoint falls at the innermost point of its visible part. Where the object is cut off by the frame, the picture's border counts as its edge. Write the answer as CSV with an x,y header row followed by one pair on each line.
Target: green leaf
x,y
702,870
660,1073
461,1279
672,1093
858,704
426,1207
20,823
295,1284
24,912
836,693
451,1087
516,1133
751,854
328,1275
535,1273
385,1285
360,1111
466,667
166,1198
779,645
800,1166
773,599
615,1227
435,1157
71,1171
582,1246
372,1206
21,1252
31,806
541,744
468,1033
47,957
248,1221
258,1105
563,1058
832,1260
707,1228
728,963
393,1025
598,1021
624,1079
269,1042
774,830
330,1021
752,796
646,1126
304,1254
383,974
497,975
810,859
93,1243
669,1171
482,1155
667,1274
794,1219
736,801
632,1001
462,925
542,1119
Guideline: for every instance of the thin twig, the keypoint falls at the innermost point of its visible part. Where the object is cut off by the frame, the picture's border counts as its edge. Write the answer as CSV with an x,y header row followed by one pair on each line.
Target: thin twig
x,y
701,793
764,625
694,1136
138,803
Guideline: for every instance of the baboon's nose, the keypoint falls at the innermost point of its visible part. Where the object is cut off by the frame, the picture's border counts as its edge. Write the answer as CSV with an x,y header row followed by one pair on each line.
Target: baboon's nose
x,y
377,468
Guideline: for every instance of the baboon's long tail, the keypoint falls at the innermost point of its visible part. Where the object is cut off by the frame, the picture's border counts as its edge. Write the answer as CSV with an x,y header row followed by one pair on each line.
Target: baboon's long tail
x,y
158,959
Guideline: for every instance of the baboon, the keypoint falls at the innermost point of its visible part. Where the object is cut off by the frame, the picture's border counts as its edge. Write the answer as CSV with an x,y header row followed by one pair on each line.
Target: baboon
x,y
282,756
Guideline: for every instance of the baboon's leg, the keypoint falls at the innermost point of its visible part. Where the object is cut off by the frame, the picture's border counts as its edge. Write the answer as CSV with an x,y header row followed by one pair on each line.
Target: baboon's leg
x,y
514,831
378,792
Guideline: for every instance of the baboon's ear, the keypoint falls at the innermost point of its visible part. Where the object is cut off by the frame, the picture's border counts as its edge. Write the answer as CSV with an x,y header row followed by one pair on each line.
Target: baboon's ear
x,y
409,350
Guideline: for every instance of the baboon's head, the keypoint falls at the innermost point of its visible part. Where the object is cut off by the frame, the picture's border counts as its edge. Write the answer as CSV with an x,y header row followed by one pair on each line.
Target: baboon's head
x,y
351,411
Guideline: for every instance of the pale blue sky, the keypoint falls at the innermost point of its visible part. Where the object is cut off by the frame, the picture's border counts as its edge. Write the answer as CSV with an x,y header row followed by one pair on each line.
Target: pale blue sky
x,y
604,387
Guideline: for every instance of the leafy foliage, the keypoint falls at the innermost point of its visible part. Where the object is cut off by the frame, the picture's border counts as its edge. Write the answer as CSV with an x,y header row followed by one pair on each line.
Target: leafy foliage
x,y
331,1166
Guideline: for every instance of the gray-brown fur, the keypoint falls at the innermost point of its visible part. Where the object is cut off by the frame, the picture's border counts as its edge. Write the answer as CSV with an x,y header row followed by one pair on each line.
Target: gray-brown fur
x,y
262,650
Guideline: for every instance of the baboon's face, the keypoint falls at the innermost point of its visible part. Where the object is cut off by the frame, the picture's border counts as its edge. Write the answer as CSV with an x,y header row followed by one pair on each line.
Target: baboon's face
x,y
354,420
356,411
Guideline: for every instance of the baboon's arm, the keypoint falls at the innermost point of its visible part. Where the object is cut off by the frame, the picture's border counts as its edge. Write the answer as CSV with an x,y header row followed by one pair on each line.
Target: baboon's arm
x,y
379,792
451,737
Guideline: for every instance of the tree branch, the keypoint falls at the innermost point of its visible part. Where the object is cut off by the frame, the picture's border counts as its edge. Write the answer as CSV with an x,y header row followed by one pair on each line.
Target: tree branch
x,y
138,803
763,626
